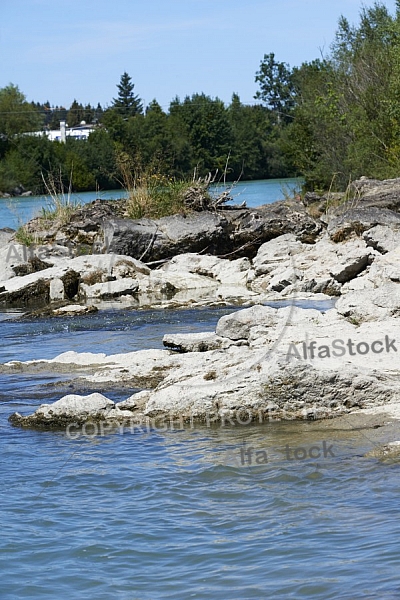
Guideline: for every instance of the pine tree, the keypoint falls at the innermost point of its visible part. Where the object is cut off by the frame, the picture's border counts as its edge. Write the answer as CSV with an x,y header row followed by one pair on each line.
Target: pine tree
x,y
75,114
127,104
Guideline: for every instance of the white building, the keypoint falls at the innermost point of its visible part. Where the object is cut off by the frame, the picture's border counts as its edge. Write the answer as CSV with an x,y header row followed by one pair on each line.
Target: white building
x,y
79,132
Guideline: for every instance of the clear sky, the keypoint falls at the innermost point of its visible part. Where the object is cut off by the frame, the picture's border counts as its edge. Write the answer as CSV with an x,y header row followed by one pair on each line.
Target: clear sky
x,y
58,50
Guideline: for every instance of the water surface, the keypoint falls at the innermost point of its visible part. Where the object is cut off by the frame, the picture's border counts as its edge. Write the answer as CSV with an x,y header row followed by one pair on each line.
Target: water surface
x,y
165,513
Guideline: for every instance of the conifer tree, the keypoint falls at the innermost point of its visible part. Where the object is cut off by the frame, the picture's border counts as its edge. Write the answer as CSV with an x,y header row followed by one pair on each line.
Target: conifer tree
x,y
127,103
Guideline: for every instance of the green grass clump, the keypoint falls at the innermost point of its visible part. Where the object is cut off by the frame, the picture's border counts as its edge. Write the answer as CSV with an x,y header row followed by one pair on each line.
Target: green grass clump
x,y
60,206
150,193
25,237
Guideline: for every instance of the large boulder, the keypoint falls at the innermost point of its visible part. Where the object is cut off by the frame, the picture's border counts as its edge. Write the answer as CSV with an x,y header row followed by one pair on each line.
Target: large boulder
x,y
374,192
166,237
251,228
104,226
227,272
231,234
288,266
375,203
237,326
110,289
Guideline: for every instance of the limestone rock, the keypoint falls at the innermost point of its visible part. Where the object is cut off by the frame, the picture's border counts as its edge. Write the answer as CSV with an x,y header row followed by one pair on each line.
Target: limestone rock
x,y
377,193
372,304
56,289
130,404
166,237
350,267
358,220
261,379
39,288
195,342
68,409
110,289
237,325
227,272
72,310
382,238
277,252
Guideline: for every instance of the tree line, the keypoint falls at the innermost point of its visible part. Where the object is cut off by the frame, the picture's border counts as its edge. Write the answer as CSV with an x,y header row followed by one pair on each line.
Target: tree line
x,y
329,120
197,134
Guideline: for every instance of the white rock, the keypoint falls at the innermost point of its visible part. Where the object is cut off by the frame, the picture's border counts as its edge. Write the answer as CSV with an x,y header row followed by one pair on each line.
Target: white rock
x,y
56,289
195,342
283,279
110,289
277,252
236,326
74,309
227,272
168,282
372,304
73,405
11,255
130,404
290,267
267,380
382,238
128,267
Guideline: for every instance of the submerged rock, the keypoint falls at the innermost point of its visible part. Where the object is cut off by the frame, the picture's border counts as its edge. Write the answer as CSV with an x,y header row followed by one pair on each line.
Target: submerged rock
x,y
385,451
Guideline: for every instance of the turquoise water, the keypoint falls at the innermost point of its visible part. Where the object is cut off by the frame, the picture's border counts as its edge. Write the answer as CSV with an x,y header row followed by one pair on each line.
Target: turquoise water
x,y
16,211
166,513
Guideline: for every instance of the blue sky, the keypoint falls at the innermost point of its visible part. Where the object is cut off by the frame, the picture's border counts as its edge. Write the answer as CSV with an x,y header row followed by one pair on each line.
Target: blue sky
x,y
58,50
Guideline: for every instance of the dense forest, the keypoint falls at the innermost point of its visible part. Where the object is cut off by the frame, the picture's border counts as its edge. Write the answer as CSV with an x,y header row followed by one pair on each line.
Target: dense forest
x,y
330,120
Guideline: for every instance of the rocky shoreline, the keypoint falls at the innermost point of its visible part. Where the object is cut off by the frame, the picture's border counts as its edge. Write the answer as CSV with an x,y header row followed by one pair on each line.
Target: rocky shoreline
x,y
261,363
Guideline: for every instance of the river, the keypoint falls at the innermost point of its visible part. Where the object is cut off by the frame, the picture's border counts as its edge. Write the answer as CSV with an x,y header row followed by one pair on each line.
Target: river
x,y
16,211
171,513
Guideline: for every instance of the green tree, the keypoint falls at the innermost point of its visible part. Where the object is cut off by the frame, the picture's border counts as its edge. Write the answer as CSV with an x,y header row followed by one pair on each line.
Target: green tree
x,y
347,112
76,114
157,138
317,139
59,113
208,130
27,158
127,103
100,158
276,87
16,114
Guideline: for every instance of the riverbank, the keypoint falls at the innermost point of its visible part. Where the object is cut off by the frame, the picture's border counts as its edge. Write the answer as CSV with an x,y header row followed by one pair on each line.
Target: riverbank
x,y
17,211
261,362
